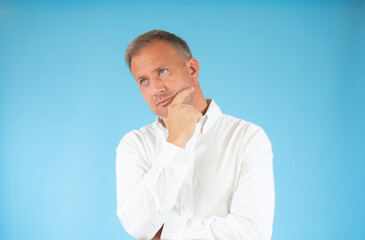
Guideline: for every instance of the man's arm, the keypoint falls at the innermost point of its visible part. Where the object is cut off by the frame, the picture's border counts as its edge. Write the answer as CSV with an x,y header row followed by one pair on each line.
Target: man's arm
x,y
252,209
146,194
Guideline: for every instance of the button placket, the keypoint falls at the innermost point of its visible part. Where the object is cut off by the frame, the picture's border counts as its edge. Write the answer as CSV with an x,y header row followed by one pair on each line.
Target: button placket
x,y
188,206
186,189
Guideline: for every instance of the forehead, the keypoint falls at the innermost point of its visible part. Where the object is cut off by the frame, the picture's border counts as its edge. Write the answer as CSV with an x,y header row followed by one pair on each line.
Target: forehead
x,y
156,53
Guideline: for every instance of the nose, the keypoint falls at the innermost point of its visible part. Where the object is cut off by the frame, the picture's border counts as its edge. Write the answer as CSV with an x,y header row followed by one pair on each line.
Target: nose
x,y
158,86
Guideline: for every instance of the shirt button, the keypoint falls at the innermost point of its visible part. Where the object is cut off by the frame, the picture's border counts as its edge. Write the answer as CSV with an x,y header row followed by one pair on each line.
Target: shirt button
x,y
186,206
185,160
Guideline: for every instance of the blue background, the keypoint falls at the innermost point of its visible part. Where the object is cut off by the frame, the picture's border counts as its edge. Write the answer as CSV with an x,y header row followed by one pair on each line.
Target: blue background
x,y
296,68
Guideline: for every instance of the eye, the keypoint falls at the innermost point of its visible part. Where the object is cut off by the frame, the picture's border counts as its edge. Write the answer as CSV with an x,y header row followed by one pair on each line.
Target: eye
x,y
162,72
143,81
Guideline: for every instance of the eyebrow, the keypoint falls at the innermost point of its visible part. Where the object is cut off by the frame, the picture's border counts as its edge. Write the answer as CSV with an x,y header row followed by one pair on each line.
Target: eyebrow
x,y
154,70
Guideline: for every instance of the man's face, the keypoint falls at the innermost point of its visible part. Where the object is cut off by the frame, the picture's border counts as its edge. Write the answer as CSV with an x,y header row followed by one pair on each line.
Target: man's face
x,y
160,73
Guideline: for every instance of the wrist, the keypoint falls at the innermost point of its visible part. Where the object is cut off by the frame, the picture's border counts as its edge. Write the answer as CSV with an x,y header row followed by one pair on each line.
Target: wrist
x,y
177,142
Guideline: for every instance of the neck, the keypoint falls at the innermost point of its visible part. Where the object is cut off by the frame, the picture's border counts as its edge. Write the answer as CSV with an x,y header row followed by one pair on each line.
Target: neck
x,y
203,108
201,103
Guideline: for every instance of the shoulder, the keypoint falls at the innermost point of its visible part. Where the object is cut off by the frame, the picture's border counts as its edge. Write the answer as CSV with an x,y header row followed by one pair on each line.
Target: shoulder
x,y
138,137
243,130
239,124
252,144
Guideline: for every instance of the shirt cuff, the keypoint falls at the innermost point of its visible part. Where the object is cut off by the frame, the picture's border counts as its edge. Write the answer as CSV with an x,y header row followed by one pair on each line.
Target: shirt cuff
x,y
175,157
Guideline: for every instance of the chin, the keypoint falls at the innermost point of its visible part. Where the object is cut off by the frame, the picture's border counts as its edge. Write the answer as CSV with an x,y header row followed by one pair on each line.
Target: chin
x,y
162,114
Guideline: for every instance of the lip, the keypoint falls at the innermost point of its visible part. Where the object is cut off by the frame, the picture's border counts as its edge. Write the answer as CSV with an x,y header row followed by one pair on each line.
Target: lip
x,y
165,102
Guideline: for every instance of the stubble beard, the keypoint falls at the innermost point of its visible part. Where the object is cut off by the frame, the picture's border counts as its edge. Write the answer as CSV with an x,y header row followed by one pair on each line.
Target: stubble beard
x,y
187,100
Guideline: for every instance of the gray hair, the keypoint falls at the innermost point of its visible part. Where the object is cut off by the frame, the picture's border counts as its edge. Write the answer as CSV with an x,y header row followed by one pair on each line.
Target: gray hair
x,y
176,42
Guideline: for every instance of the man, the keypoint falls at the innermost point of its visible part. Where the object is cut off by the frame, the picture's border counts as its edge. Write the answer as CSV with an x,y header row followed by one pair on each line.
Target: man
x,y
195,173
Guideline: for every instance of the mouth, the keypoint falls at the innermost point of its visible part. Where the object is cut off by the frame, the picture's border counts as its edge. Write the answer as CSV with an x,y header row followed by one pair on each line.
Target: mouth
x,y
165,102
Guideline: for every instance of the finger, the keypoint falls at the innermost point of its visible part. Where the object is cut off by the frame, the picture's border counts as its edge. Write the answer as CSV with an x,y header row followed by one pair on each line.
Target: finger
x,y
180,96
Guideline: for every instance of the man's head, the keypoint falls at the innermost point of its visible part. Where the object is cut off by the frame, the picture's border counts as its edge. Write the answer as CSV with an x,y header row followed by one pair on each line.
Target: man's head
x,y
163,66
139,42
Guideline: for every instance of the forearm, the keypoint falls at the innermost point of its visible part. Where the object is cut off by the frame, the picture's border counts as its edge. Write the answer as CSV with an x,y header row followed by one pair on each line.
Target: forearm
x,y
249,219
235,226
143,209
145,197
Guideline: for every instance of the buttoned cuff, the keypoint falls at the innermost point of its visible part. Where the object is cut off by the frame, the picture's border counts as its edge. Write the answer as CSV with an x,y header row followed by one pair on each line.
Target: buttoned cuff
x,y
175,157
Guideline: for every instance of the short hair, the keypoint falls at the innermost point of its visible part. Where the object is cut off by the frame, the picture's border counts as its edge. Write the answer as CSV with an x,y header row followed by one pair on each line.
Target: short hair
x,y
176,42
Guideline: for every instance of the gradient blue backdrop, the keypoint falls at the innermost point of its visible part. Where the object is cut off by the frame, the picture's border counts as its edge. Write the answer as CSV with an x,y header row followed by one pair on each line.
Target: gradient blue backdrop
x,y
296,68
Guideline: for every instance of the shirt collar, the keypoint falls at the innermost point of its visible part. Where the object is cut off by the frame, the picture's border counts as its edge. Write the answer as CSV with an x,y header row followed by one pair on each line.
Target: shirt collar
x,y
211,115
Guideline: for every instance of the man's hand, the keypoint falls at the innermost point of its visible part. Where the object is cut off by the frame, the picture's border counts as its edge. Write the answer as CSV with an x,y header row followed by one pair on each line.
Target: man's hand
x,y
181,119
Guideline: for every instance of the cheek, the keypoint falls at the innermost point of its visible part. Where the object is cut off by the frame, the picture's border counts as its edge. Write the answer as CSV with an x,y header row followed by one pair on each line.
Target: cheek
x,y
146,96
180,83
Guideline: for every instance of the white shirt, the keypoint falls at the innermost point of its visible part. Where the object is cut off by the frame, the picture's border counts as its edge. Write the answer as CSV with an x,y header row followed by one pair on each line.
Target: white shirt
x,y
220,186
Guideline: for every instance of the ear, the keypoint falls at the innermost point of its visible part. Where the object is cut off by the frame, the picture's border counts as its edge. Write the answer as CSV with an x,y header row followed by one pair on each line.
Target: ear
x,y
193,69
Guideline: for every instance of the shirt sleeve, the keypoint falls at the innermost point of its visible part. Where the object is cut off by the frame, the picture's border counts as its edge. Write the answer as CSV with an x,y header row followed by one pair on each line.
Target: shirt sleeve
x,y
252,209
145,194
